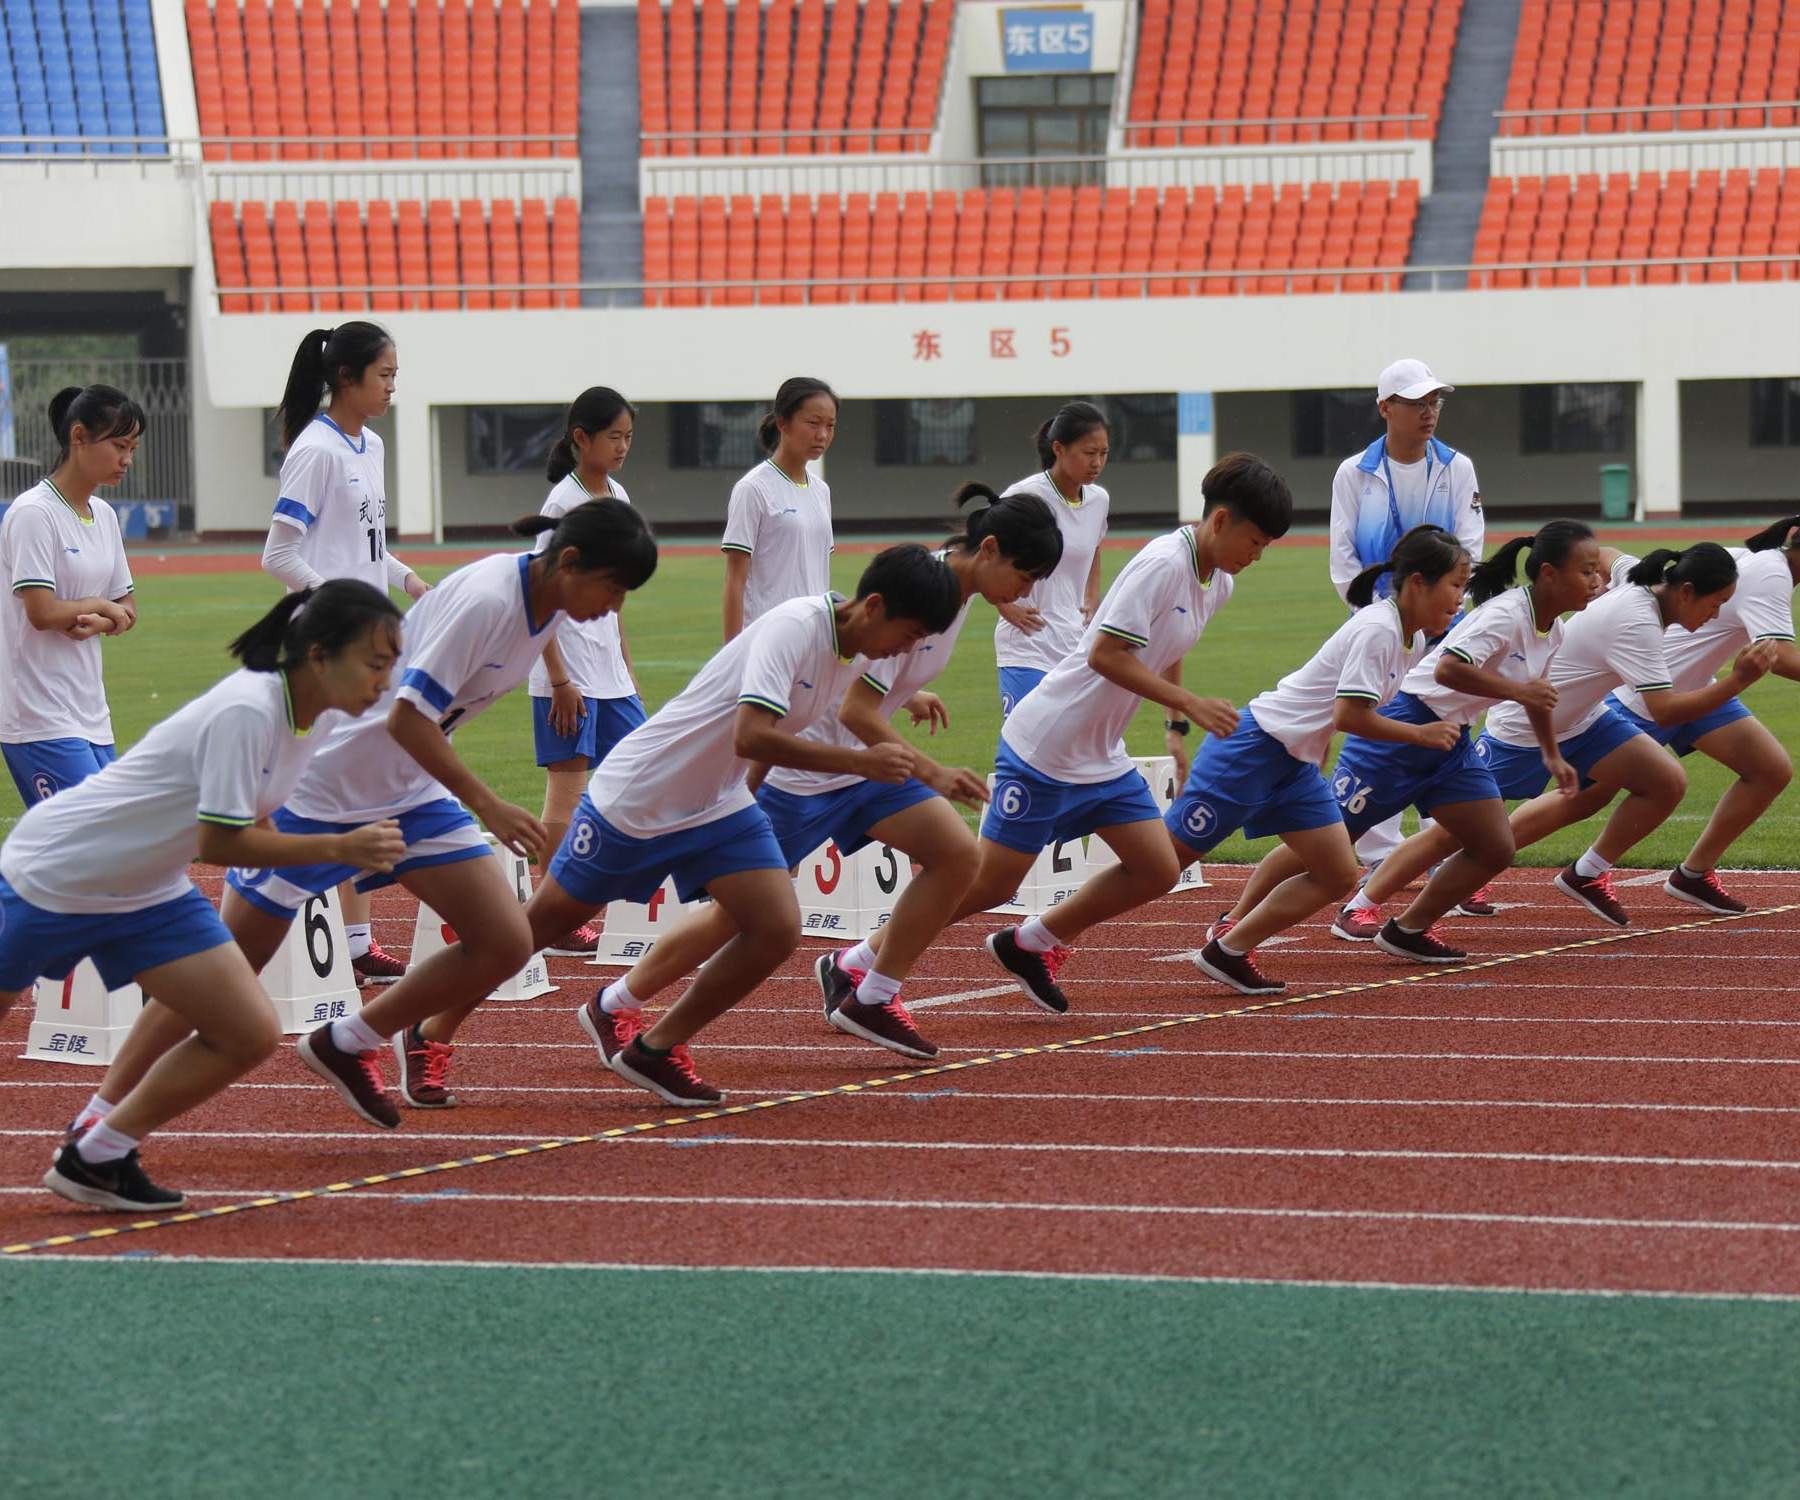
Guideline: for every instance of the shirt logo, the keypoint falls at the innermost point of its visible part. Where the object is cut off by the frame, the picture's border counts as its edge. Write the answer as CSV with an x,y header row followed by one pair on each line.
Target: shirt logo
x,y
495,666
792,510
1516,656
73,551
1180,609
804,683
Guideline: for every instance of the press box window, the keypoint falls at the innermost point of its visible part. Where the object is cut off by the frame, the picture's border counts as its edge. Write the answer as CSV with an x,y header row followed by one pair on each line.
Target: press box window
x,y
511,439
925,432
1335,424
1572,418
715,434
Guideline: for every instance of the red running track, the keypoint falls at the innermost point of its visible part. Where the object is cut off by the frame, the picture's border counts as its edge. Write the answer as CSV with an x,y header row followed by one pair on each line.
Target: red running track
x,y
1615,1117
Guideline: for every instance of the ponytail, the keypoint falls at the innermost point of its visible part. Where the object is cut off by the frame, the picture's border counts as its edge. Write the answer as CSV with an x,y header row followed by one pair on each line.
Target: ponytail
x,y
103,411
795,392
592,412
1784,533
1023,527
1071,424
327,359
1706,567
607,535
1550,547
1428,551
334,615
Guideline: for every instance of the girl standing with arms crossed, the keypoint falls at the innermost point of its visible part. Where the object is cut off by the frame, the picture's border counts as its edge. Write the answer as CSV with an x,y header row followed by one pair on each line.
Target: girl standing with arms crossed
x,y
584,696
100,871
1265,776
330,517
777,541
64,560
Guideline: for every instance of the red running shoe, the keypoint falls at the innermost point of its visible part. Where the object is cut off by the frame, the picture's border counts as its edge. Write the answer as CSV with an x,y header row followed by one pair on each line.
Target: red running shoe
x,y
424,1067
611,1030
836,983
1479,905
355,1075
1357,924
580,943
377,966
1703,891
1596,894
671,1076
1220,927
885,1025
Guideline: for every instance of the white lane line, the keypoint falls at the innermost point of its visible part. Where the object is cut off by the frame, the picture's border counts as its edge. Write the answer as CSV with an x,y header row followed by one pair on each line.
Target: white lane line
x,y
131,1264
1655,877
1188,955
986,992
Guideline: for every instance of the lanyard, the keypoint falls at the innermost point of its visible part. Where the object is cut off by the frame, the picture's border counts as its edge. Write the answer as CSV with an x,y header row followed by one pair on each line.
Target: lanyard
x,y
1393,503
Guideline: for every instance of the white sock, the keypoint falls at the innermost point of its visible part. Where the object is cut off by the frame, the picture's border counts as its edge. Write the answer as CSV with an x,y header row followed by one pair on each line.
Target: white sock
x,y
617,997
1035,937
1228,950
1591,865
877,989
1690,874
357,933
95,1109
354,1034
1361,902
862,956
103,1143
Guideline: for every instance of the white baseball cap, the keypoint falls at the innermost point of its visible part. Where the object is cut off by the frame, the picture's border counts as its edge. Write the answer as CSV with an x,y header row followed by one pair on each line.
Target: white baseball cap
x,y
1411,378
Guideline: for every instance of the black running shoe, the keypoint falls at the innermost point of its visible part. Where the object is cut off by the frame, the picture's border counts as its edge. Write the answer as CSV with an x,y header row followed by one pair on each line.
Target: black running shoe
x,y
1420,947
1703,891
1239,970
108,1184
836,983
1595,893
1036,972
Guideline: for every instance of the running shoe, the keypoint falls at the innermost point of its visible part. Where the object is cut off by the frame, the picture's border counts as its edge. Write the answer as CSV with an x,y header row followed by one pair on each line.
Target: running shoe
x,y
355,1075
1238,970
377,966
1036,972
424,1067
1357,924
1421,947
577,943
836,983
886,1025
671,1075
1479,905
1703,891
108,1184
1220,927
1595,893
612,1030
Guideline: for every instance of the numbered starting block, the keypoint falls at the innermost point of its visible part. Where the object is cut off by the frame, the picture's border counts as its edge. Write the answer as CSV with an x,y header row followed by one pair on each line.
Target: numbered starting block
x,y
1159,771
630,928
432,934
850,895
79,1020
310,978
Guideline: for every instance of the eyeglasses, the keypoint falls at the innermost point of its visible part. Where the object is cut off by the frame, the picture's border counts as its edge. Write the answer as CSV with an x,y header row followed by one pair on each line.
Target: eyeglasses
x,y
1434,400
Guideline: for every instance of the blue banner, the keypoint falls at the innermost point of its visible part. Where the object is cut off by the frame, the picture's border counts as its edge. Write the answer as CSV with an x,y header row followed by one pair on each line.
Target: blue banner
x,y
1047,41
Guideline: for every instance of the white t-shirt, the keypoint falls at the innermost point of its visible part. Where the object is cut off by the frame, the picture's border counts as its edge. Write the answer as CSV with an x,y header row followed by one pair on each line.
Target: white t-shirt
x,y
682,769
1058,597
1071,727
1762,609
1617,641
123,839
53,687
333,491
1500,636
786,529
590,648
468,643
896,679
1366,657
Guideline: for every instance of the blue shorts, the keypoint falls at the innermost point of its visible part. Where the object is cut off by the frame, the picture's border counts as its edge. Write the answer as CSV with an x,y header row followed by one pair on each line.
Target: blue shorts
x,y
42,768
1518,770
1683,738
122,944
597,863
1375,779
845,816
436,833
1015,683
1031,811
1247,780
607,721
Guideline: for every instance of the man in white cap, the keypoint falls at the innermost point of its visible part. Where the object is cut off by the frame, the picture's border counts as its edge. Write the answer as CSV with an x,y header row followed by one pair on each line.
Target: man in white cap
x,y
1403,479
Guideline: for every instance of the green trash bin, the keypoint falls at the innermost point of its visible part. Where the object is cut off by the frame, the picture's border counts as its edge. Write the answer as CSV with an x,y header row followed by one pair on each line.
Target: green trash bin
x,y
1615,491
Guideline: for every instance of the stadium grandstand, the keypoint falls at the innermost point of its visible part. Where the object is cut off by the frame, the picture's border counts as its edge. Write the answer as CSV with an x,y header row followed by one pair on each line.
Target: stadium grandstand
x,y
1220,216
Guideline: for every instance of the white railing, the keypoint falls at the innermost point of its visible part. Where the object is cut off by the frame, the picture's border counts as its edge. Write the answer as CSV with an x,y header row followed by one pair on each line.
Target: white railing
x,y
1294,128
1643,151
861,139
241,182
1001,285
1608,119
287,148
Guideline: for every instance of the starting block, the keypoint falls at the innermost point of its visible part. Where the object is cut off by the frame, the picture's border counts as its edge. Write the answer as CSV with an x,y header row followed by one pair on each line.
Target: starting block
x,y
850,895
631,928
310,978
432,934
79,1020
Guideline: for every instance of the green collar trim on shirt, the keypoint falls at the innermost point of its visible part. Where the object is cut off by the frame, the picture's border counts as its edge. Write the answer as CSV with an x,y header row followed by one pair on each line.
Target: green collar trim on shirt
x,y
832,600
1418,636
1187,535
287,701
1531,611
50,484
799,484
1080,493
